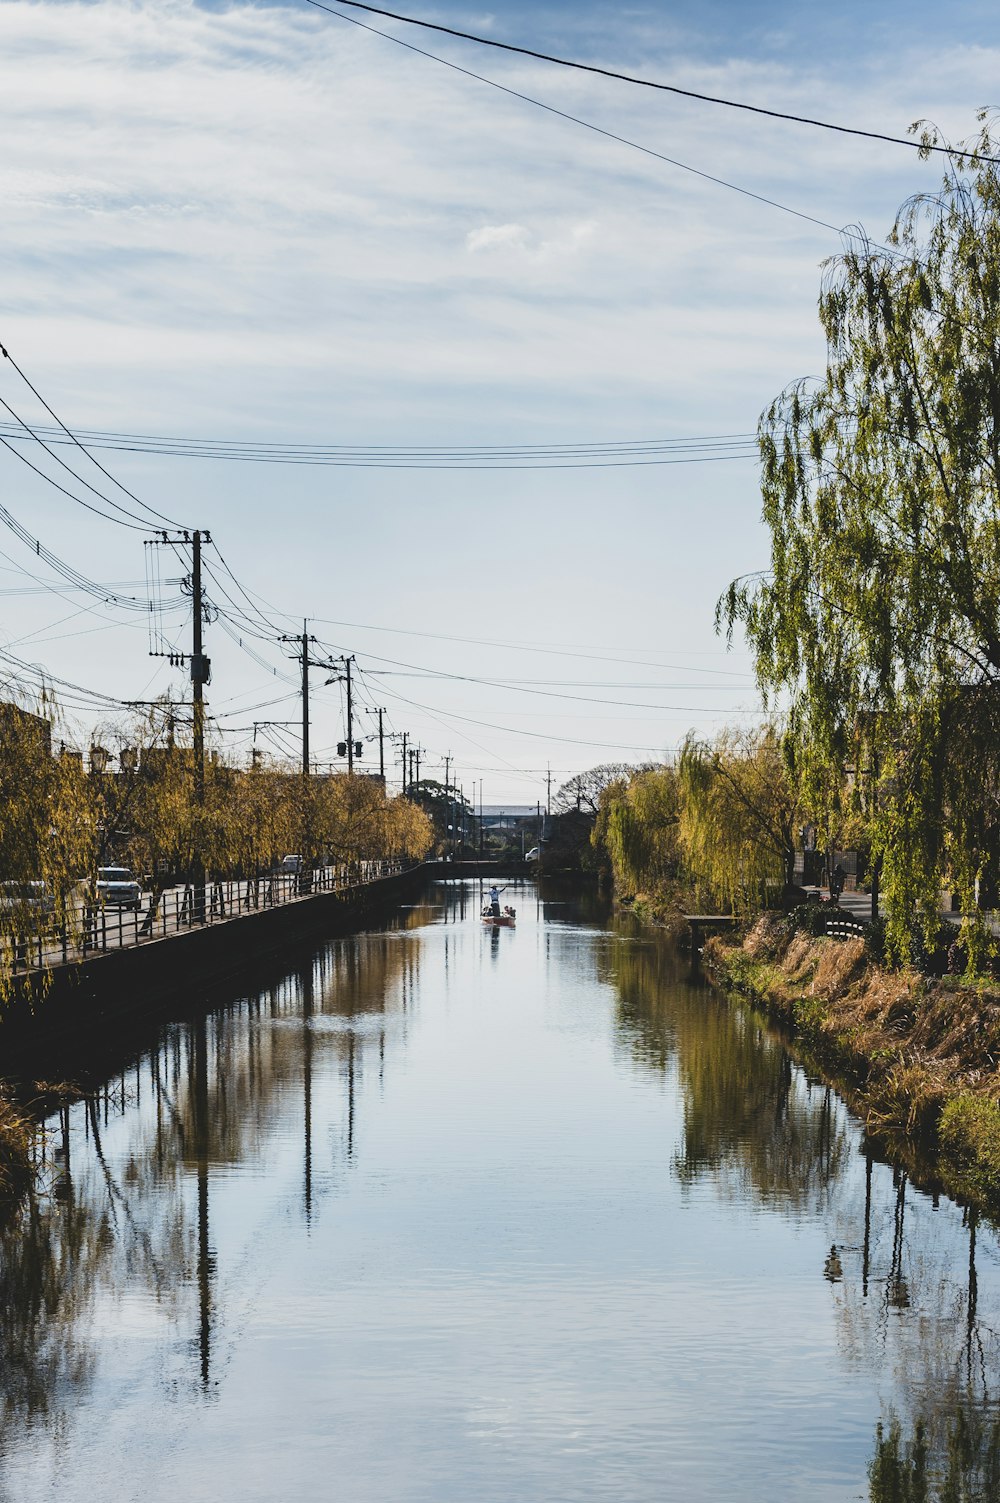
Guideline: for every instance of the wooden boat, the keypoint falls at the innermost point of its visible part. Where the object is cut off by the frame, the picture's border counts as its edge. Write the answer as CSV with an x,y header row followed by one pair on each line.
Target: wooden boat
x,y
504,920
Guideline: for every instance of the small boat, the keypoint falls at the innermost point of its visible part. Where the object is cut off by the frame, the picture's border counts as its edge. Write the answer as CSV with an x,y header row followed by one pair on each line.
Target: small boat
x,y
504,920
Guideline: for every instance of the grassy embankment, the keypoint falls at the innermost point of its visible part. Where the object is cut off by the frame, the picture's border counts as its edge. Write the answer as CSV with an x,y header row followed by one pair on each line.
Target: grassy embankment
x,y
16,1134
919,1057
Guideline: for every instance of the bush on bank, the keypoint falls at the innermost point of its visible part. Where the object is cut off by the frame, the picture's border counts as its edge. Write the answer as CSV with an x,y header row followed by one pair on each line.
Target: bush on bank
x,y
919,1056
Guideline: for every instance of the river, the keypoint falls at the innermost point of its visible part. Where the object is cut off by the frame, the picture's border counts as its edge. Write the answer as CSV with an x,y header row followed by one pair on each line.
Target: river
x,y
521,1216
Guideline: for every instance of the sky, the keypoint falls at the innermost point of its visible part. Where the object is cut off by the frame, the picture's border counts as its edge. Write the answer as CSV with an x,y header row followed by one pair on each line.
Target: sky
x,y
266,225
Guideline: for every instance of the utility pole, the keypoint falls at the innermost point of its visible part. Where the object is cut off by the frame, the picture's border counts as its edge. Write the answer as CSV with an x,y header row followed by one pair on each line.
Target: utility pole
x,y
447,765
200,673
303,656
305,700
405,739
419,749
200,669
548,789
381,749
350,718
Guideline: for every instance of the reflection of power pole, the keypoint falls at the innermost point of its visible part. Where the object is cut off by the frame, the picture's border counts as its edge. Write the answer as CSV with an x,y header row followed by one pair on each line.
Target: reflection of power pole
x,y
307,1052
867,1246
199,1045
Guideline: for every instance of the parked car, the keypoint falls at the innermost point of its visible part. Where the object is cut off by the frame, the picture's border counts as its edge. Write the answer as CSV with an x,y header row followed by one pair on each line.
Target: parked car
x,y
117,888
290,864
534,854
26,899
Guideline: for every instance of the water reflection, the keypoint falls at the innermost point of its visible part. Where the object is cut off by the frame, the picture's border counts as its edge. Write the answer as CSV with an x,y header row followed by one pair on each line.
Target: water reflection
x,y
749,1113
906,1297
125,1200
531,1210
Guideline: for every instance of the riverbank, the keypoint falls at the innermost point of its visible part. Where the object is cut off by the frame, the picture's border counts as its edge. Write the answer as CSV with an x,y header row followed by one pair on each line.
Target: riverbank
x,y
917,1057
663,908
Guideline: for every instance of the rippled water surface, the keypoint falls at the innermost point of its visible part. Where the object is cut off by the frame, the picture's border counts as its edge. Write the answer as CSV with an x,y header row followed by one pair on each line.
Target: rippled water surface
x,y
449,1215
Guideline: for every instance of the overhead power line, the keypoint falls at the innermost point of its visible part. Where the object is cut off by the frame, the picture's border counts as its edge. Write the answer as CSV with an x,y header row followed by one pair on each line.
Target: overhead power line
x,y
648,83
72,438
600,130
611,454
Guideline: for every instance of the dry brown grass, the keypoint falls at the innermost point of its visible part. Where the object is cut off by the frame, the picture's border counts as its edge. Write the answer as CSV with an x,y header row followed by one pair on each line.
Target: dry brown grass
x,y
920,1058
838,963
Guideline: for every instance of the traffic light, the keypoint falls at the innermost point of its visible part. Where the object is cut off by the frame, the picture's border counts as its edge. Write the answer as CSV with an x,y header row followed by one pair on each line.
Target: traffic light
x,y
341,748
358,748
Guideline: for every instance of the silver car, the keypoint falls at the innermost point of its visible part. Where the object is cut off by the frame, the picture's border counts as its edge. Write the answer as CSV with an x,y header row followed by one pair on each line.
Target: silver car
x,y
117,888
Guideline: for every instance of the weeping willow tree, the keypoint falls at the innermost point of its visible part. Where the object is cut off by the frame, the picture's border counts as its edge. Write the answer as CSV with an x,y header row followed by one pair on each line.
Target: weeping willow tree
x,y
878,619
637,826
46,827
739,816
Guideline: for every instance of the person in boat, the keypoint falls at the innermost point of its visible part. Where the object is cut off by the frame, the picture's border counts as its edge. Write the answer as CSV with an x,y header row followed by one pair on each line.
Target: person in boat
x,y
495,900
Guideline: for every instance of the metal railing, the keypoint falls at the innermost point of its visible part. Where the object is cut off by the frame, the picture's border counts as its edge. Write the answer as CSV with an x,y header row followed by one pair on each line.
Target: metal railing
x,y
105,927
844,926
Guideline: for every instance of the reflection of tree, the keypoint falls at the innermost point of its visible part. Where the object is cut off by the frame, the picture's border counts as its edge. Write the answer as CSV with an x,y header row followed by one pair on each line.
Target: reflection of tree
x,y
902,1277
746,1107
951,1459
47,1274
126,1193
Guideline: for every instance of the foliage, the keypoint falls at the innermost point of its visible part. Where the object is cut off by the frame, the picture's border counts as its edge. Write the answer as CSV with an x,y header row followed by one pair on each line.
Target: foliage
x,y
739,816
970,1137
963,1468
46,825
136,805
881,487
637,826
449,811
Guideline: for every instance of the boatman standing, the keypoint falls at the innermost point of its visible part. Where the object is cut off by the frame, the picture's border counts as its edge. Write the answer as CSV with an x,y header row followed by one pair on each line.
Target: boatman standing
x,y
495,900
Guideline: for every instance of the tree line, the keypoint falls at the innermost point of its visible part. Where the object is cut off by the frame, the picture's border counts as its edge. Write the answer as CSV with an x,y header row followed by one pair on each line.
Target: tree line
x,y
133,802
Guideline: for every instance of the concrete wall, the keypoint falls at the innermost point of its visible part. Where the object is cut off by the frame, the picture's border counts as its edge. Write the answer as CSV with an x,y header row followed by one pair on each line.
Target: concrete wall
x,y
85,1001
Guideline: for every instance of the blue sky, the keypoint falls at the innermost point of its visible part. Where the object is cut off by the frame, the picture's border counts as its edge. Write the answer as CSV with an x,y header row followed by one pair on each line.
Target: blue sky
x,y
265,224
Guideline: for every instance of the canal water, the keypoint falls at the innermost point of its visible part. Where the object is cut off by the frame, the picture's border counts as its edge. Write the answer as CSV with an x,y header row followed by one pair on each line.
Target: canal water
x,y
517,1216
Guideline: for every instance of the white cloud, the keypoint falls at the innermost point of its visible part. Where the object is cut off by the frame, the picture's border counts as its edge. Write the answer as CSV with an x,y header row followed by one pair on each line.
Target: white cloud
x,y
494,236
